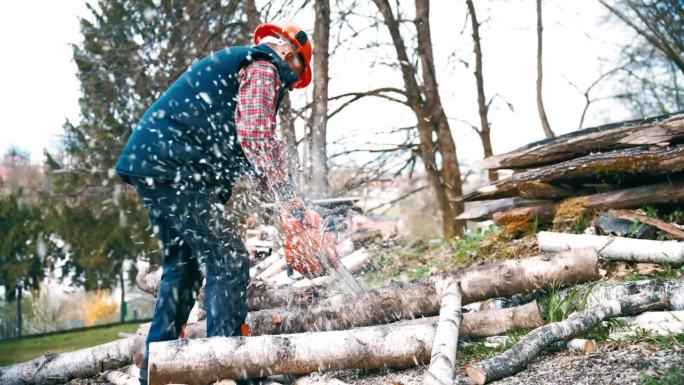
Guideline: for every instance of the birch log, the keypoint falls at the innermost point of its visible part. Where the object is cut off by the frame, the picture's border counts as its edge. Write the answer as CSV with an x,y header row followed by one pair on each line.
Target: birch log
x,y
519,355
59,368
443,359
201,361
581,345
118,377
615,248
607,291
409,300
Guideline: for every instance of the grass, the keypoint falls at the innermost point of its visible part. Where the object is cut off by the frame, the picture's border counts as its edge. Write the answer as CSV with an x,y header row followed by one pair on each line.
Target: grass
x,y
21,350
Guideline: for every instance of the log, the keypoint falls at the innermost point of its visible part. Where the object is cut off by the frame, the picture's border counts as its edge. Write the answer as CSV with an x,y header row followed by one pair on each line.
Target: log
x,y
615,248
663,226
418,298
200,361
519,355
536,183
608,291
474,324
655,130
443,359
59,368
483,210
265,263
583,346
118,377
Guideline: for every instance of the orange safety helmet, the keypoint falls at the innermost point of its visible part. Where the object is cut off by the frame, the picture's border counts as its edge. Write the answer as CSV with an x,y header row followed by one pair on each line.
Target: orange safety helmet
x,y
297,37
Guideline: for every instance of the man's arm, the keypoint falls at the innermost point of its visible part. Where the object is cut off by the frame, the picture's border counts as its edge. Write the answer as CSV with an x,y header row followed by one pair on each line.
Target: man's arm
x,y
255,120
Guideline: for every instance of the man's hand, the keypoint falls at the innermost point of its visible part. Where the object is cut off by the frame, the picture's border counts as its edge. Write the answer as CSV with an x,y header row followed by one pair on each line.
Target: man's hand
x,y
304,238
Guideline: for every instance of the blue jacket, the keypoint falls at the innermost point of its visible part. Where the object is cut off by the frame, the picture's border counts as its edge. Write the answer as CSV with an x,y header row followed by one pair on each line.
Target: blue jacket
x,y
189,133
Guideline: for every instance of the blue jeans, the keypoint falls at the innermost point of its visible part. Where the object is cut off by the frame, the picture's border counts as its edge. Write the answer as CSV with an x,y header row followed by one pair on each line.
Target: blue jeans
x,y
194,232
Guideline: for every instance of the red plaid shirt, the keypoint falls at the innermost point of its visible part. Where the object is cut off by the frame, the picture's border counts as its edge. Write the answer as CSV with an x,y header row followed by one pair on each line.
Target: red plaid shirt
x,y
255,120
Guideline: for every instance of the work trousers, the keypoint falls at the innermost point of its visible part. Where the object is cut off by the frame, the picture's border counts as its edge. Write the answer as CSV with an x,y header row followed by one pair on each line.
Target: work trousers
x,y
195,234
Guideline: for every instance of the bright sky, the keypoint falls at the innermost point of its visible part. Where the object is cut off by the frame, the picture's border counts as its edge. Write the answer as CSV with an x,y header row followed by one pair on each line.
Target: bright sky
x,y
40,89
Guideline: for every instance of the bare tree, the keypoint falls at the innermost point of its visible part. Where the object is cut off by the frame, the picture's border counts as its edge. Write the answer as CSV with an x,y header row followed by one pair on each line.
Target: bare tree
x,y
443,174
483,107
540,103
319,114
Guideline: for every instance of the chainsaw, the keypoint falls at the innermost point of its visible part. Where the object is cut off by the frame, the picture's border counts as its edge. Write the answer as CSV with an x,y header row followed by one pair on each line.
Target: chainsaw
x,y
320,234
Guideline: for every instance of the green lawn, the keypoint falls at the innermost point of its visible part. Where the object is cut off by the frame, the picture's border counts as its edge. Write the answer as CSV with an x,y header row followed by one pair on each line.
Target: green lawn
x,y
25,349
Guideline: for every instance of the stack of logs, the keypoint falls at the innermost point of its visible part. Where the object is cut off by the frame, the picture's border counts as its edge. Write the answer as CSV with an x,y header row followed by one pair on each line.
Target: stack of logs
x,y
619,166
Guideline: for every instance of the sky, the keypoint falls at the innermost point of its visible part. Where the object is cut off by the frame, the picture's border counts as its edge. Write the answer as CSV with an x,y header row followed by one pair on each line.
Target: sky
x,y
39,86
40,90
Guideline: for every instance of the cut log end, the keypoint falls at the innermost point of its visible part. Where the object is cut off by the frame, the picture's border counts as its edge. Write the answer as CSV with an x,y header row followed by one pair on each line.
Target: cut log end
x,y
476,375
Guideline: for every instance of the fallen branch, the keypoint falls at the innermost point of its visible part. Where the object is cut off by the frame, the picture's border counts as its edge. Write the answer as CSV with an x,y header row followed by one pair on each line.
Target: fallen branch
x,y
615,248
443,359
519,355
607,291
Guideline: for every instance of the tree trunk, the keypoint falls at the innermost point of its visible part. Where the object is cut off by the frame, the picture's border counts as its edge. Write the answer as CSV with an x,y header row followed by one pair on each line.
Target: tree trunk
x,y
408,300
443,359
519,355
446,183
123,296
540,103
319,184
496,322
656,130
19,318
204,360
615,248
59,368
482,107
450,173
118,377
624,162
608,291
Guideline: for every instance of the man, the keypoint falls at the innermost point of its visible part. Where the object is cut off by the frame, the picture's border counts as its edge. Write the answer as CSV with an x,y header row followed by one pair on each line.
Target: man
x,y
215,123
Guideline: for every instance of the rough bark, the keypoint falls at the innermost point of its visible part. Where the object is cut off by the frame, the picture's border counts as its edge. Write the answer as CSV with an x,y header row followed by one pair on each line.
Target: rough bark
x,y
615,248
626,162
201,361
656,130
59,368
408,300
474,324
443,359
661,225
607,291
523,216
319,185
540,102
519,355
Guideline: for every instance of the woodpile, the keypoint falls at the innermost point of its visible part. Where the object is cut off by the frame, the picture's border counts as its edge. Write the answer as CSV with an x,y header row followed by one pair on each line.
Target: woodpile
x,y
617,166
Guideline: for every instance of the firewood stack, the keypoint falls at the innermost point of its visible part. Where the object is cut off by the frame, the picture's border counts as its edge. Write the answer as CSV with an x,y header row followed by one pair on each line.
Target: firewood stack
x,y
624,165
